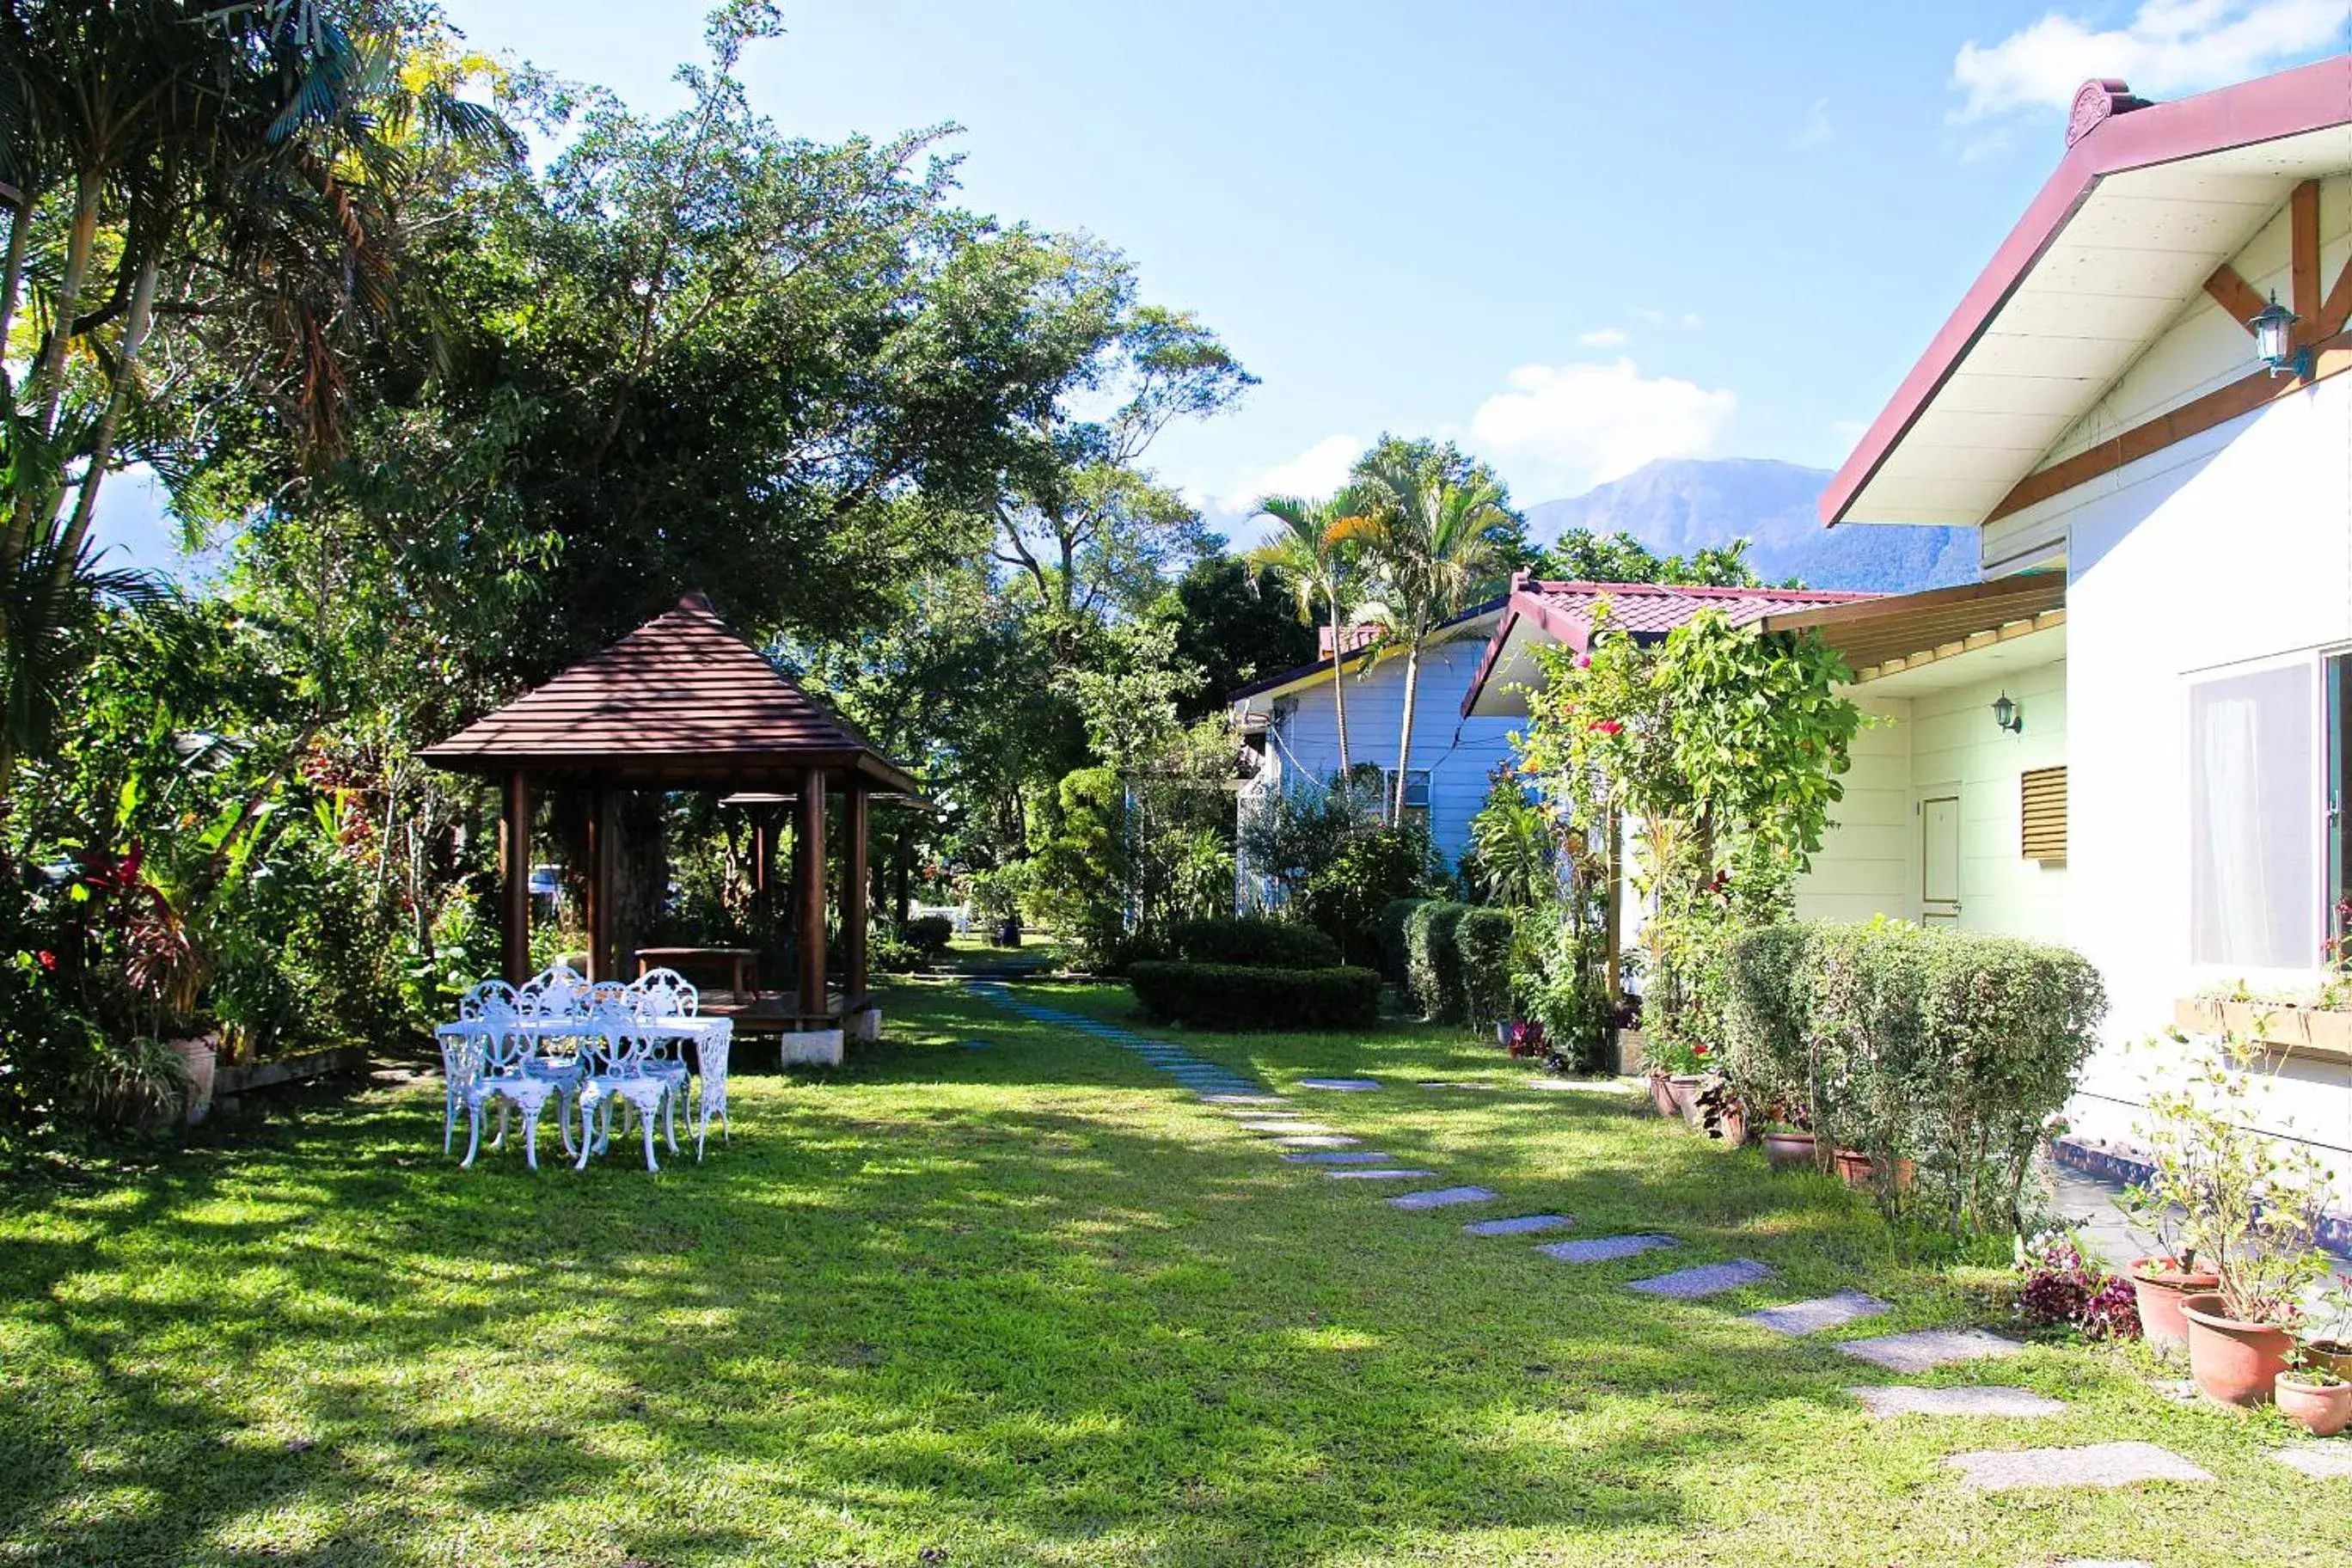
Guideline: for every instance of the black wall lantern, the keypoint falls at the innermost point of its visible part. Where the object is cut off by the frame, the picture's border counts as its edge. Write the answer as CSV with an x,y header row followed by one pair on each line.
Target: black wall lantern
x,y
2273,328
2008,715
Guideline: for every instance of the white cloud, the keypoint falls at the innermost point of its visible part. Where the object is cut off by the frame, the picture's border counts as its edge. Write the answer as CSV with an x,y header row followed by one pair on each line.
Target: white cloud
x,y
1816,129
1564,429
1693,319
1314,473
2168,48
1601,338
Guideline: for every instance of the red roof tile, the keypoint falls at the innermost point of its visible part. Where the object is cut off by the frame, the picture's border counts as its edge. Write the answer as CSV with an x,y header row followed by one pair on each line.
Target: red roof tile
x,y
682,698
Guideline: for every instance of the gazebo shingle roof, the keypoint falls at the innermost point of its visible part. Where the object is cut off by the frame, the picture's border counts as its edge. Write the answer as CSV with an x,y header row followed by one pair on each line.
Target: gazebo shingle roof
x,y
681,701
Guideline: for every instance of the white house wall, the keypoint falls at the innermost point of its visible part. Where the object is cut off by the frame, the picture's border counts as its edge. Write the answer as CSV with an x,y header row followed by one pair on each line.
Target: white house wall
x,y
1864,868
2223,550
1936,743
1460,753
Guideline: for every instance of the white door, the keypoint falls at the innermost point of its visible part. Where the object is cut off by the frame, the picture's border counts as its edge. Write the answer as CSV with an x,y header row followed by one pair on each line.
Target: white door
x,y
1939,859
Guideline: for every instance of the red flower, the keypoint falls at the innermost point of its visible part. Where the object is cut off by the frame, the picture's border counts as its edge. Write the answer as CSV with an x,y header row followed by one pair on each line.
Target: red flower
x,y
48,960
1698,1050
1606,726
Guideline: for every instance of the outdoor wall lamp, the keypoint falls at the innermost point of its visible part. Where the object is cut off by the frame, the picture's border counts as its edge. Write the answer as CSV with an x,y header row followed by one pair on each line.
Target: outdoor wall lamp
x,y
2008,715
2274,329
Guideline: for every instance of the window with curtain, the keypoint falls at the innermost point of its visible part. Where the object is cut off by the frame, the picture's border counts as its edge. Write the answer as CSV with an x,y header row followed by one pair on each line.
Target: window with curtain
x,y
2254,889
1416,796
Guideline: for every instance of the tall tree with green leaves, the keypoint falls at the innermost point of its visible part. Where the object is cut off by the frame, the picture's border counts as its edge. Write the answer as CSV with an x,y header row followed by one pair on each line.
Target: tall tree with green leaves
x,y
1434,527
1314,551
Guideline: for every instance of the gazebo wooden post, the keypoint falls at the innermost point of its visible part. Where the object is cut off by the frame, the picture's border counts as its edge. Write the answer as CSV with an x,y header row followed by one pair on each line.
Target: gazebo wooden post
x,y
603,867
855,892
514,871
810,895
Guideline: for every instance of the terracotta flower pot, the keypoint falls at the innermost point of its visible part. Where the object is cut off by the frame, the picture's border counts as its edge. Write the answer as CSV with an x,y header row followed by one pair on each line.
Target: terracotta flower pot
x,y
1788,1150
1684,1087
2321,1409
1859,1170
2333,1355
1661,1095
1733,1125
2233,1362
2160,1287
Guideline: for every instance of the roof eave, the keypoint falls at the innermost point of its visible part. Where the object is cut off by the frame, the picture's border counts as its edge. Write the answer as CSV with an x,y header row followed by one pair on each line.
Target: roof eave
x,y
2290,103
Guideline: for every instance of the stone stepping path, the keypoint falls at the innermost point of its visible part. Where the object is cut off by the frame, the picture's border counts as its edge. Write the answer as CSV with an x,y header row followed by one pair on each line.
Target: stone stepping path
x,y
1340,1157
1605,1248
1211,1081
1242,1099
1443,1197
1813,1317
1282,1125
1316,1141
2321,1461
1347,1085
1706,1279
2099,1465
1521,1225
1988,1399
1923,1350
1380,1175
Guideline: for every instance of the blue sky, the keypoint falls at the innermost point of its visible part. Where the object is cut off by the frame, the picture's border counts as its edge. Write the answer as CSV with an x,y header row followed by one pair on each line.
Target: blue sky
x,y
1574,235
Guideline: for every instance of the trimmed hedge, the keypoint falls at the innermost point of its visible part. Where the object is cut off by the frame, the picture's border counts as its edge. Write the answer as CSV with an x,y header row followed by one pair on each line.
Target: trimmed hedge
x,y
929,934
1432,963
1951,1049
1483,942
1393,956
1253,940
1254,996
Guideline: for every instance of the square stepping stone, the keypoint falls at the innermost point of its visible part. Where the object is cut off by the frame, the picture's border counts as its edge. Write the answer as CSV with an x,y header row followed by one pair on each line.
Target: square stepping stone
x,y
977,1045
1340,1157
1253,1115
1602,1249
1706,1279
2098,1464
1989,1399
2320,1461
1443,1197
1923,1349
1270,1126
1379,1175
1521,1225
1813,1317
1350,1085
1242,1099
1318,1141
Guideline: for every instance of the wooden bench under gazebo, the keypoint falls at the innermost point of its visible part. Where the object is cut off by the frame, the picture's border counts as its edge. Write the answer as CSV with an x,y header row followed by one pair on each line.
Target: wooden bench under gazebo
x,y
684,704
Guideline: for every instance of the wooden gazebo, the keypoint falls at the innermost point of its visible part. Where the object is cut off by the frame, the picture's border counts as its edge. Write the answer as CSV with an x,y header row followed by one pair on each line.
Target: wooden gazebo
x,y
681,703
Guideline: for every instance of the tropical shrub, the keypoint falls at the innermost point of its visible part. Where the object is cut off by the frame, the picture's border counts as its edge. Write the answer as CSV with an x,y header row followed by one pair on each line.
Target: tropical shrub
x,y
1433,962
888,952
1253,940
1394,916
2057,1285
1292,836
1250,997
1345,901
1485,943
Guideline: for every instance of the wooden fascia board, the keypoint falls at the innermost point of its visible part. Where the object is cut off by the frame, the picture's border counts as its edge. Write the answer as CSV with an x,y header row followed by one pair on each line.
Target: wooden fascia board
x,y
2303,248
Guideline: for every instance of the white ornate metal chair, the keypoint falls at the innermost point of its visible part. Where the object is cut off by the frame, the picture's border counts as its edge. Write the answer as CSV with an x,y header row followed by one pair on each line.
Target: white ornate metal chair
x,y
462,1062
711,1043
501,1076
618,1071
559,991
672,1007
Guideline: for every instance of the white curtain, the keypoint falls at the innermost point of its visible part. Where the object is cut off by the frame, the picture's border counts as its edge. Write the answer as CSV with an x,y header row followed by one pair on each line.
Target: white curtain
x,y
2252,884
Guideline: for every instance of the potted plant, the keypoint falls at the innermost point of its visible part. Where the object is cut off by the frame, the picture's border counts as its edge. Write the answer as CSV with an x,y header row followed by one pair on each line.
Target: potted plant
x,y
2312,1398
2251,1207
2165,1278
2331,1352
1788,1149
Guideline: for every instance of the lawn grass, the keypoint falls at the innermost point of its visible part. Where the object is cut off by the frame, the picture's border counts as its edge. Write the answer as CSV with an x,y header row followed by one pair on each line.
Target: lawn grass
x,y
1028,1304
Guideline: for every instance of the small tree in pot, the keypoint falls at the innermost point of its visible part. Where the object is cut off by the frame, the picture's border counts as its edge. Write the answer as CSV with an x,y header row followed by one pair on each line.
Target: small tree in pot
x,y
2252,1205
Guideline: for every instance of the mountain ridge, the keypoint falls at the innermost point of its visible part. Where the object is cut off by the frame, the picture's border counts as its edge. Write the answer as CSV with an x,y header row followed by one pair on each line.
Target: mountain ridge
x,y
1676,506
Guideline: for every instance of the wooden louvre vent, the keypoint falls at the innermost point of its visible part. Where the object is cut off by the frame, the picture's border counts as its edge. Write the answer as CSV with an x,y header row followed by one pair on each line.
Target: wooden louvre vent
x,y
2042,794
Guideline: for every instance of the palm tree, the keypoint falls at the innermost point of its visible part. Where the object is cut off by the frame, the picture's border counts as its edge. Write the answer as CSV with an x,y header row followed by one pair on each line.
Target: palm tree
x,y
1311,553
1429,535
